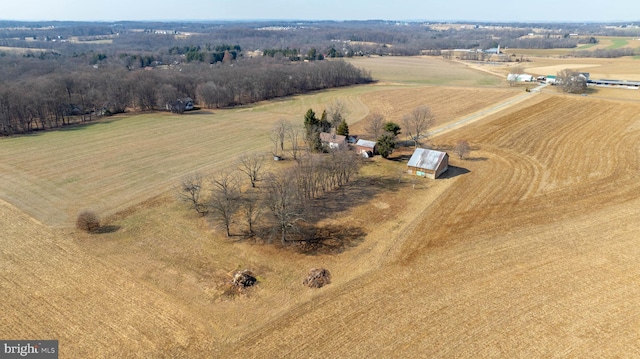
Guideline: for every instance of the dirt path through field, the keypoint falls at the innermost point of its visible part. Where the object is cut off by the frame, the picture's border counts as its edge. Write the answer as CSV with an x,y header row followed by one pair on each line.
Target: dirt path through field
x,y
485,112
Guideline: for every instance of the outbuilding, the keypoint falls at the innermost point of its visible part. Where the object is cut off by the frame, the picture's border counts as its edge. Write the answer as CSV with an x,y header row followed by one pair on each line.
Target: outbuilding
x,y
520,78
366,148
428,163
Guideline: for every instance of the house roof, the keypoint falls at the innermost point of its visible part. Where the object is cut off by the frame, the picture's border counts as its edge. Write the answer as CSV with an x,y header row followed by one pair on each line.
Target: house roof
x,y
330,137
366,143
426,159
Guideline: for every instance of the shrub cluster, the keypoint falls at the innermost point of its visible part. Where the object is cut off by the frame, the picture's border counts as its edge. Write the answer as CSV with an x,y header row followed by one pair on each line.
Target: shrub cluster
x,y
88,221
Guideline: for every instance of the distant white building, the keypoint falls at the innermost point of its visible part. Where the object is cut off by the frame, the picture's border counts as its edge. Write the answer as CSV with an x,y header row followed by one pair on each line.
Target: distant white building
x,y
493,50
520,77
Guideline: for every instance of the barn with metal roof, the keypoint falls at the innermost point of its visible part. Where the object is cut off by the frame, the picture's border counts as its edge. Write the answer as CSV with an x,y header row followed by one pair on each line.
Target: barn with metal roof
x,y
428,163
366,148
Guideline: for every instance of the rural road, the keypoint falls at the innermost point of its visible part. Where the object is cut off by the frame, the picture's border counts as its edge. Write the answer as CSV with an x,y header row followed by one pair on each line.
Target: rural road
x,y
487,111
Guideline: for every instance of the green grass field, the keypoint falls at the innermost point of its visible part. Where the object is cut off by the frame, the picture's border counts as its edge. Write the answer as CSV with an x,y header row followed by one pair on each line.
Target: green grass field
x,y
586,46
618,43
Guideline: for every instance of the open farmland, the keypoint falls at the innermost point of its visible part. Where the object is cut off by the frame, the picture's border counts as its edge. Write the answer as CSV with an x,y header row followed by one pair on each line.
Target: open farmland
x,y
423,70
526,249
115,163
533,252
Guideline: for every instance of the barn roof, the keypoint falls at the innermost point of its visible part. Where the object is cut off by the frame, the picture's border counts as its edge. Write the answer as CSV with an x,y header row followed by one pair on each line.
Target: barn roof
x,y
426,159
366,143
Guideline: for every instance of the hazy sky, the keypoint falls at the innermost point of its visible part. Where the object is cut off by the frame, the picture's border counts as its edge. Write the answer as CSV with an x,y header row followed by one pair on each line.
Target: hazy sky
x,y
478,10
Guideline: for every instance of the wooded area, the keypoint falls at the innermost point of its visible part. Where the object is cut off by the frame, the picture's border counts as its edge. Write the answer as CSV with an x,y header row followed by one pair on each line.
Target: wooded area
x,y
66,95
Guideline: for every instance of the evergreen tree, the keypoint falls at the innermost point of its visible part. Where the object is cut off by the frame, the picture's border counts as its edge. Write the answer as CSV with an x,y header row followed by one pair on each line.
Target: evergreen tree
x,y
392,128
386,144
324,124
343,129
310,120
312,129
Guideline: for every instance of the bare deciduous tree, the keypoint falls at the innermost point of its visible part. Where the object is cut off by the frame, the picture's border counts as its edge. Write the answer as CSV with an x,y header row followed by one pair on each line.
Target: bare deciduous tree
x,y
462,149
293,134
417,122
251,207
280,132
516,70
336,112
375,126
189,191
284,204
224,201
252,165
572,81
273,136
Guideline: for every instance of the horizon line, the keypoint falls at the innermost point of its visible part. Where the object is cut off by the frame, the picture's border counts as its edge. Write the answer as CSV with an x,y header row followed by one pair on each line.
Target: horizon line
x,y
344,20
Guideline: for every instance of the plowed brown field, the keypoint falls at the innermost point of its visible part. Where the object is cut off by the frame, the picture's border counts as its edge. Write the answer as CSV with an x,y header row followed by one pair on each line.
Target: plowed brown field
x,y
446,103
528,248
532,253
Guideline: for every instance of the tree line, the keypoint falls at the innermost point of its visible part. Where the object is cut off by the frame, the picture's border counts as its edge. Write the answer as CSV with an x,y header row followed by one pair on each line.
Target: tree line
x,y
66,95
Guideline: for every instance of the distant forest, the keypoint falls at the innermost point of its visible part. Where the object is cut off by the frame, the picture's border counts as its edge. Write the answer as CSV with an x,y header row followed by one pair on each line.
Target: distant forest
x,y
56,73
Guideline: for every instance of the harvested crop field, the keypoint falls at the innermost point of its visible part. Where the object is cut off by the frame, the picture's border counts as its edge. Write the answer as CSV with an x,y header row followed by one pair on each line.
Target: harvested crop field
x,y
423,70
532,253
446,103
113,164
527,248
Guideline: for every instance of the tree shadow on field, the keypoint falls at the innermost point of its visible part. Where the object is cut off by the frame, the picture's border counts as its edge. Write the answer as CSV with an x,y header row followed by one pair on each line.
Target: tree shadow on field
x,y
454,171
107,229
76,126
313,237
197,111
82,125
401,158
330,239
358,192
